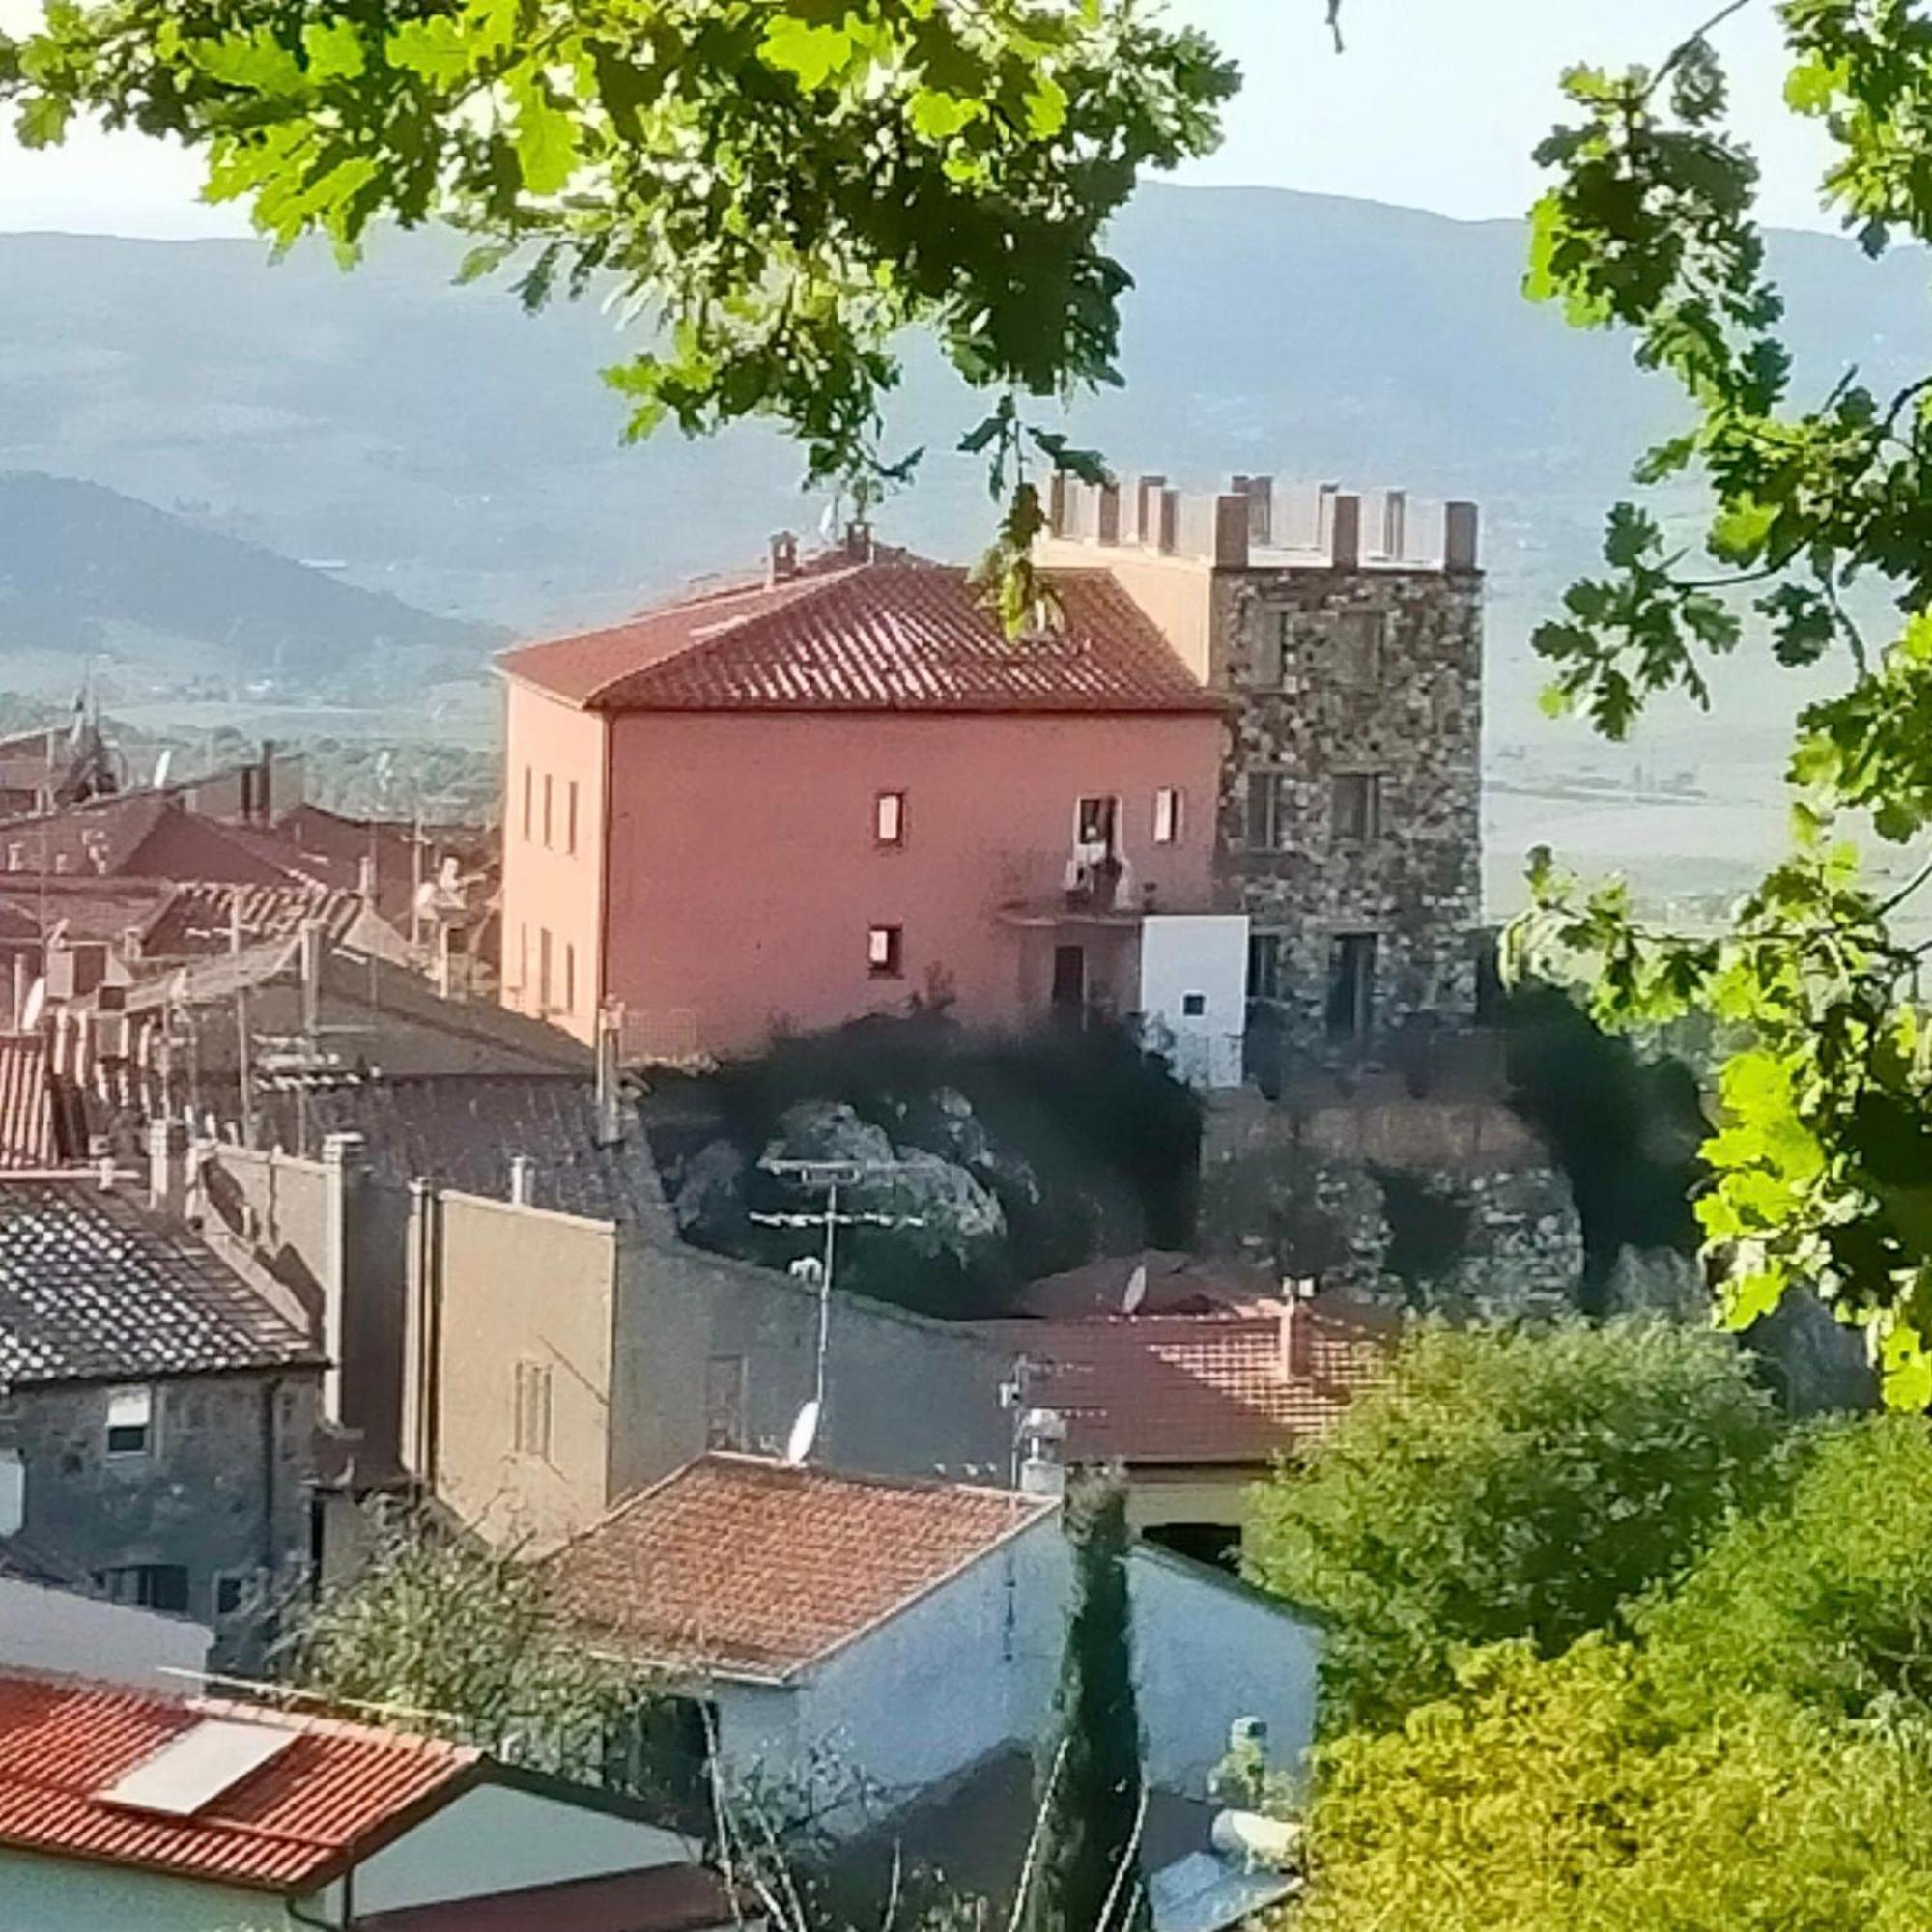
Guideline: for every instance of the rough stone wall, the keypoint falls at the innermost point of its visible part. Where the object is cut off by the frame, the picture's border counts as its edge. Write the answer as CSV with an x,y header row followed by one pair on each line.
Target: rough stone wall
x,y
222,1490
1309,1192
1417,883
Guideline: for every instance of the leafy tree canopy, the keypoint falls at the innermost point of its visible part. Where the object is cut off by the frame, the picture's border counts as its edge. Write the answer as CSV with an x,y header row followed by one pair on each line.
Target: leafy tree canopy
x,y
1507,1486
1822,1170
772,189
1562,1796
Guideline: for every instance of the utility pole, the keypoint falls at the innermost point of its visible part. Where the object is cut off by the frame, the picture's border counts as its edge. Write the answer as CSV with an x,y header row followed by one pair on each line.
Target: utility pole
x,y
831,1175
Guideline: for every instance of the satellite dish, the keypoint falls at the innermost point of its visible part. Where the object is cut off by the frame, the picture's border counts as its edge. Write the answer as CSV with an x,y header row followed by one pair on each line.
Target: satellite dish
x,y
35,1005
1130,1302
163,766
803,1433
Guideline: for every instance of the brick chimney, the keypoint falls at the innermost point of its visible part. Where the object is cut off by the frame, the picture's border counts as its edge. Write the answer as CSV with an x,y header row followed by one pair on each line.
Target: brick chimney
x,y
859,541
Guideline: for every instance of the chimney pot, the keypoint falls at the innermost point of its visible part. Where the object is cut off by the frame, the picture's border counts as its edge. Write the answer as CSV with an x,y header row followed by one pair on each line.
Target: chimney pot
x,y
1231,531
1147,508
781,558
1298,1352
859,541
522,1179
1056,505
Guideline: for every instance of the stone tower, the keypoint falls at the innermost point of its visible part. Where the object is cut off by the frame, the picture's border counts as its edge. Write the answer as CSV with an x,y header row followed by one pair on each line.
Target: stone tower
x,y
1347,632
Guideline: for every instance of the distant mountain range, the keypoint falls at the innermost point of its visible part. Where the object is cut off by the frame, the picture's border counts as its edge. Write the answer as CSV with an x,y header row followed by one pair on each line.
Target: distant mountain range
x,y
453,453
85,571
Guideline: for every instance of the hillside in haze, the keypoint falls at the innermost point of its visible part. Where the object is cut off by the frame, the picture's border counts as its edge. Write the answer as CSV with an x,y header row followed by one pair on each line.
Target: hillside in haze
x,y
85,572
444,448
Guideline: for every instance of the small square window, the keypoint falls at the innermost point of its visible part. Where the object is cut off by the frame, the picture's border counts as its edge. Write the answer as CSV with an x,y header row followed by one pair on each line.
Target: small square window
x,y
1357,811
131,1421
1265,812
1193,1006
1359,638
889,818
1167,817
231,1593
885,951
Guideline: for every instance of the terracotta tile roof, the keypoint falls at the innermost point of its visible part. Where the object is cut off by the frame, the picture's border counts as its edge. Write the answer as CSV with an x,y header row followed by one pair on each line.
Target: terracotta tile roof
x,y
741,1566
1195,1388
27,1137
338,1791
93,1289
199,918
1175,1283
666,1898
895,635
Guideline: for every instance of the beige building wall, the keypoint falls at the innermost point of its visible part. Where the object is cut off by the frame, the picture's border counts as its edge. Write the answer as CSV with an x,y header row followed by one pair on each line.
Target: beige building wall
x,y
520,1312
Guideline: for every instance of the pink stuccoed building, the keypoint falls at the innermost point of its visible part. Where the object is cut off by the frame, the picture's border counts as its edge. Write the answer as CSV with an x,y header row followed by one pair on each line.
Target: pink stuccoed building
x,y
837,789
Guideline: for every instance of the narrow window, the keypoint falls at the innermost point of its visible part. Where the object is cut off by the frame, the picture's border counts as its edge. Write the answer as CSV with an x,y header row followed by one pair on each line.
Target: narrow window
x,y
1264,813
550,785
885,951
889,818
1359,638
569,978
1278,657
530,1422
529,793
1266,977
17,858
543,968
725,1403
1357,811
1167,817
570,819
522,959
131,1421
1095,821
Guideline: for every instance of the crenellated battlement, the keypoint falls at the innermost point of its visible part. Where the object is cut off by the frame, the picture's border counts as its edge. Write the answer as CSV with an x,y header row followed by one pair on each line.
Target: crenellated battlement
x,y
1259,523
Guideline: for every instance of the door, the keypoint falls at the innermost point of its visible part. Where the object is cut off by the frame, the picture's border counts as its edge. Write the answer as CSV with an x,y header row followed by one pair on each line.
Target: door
x,y
1070,981
1351,985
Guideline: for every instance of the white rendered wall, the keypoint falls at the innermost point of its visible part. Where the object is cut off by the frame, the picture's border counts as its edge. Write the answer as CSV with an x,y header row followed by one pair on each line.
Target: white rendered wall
x,y
45,1629
496,1838
1203,954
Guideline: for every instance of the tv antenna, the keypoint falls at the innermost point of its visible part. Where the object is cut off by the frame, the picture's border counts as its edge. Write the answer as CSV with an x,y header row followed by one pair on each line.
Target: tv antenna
x,y
830,1175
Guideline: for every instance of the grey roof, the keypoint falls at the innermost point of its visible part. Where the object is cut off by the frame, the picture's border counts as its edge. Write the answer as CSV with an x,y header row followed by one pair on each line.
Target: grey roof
x,y
93,1289
461,1130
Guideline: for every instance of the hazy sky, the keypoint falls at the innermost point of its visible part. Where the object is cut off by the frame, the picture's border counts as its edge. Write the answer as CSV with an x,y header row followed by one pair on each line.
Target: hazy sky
x,y
1437,105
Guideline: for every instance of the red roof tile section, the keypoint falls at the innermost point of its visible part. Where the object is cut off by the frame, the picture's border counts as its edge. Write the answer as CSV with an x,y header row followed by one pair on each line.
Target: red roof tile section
x,y
202,916
1196,1388
332,1796
895,635
748,1567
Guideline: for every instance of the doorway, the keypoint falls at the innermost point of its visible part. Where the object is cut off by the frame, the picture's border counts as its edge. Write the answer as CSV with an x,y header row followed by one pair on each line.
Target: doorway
x,y
1070,981
1351,985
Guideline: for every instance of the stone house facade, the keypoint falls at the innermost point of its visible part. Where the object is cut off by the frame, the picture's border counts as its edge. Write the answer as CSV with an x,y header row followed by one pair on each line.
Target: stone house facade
x,y
158,1415
1346,633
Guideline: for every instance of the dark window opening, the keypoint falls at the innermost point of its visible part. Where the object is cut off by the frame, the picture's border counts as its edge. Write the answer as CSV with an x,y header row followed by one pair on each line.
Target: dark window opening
x,y
1264,812
1351,985
1219,1544
1069,978
1357,814
146,1586
885,951
1266,952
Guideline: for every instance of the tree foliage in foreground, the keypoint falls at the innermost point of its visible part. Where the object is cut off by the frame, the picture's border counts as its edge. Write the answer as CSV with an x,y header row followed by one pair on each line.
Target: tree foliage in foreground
x,y
455,1637
1823,1165
1757,1758
1507,1486
770,190
1559,1795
